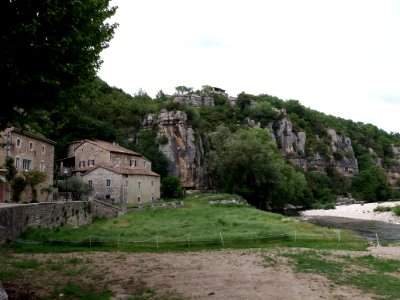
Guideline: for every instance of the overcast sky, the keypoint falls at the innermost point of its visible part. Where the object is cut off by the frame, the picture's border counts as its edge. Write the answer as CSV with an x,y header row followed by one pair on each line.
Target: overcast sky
x,y
341,57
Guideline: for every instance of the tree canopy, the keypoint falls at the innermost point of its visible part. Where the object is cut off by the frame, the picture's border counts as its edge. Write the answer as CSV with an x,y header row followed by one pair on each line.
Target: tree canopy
x,y
248,163
47,48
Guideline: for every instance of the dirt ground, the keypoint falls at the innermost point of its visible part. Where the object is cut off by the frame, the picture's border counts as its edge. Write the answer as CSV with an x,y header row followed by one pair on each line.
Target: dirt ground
x,y
232,274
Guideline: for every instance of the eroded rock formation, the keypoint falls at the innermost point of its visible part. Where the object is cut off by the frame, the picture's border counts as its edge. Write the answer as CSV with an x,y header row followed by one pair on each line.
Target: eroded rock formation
x,y
182,147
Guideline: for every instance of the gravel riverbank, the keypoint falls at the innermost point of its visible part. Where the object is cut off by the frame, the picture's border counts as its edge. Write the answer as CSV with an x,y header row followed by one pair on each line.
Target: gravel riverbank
x,y
357,211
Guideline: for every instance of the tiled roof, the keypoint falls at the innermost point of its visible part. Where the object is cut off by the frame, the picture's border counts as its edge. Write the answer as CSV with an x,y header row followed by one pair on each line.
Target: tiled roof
x,y
125,170
112,147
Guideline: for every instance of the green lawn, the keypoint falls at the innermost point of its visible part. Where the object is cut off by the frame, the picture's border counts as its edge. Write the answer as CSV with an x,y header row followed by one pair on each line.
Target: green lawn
x,y
197,225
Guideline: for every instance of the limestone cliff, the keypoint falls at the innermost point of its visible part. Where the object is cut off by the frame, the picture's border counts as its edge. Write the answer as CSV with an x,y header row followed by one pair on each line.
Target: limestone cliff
x,y
195,100
293,145
182,147
290,143
343,159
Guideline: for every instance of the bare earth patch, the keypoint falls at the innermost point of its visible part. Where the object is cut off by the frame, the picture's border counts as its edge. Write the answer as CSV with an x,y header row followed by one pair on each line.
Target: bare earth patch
x,y
228,274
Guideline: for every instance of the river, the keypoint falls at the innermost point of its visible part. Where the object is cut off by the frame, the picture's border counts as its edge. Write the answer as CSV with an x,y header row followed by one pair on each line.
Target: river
x,y
365,228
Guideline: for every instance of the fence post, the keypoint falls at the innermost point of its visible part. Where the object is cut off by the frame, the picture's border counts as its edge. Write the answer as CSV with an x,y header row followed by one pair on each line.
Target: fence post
x,y
338,235
377,239
222,239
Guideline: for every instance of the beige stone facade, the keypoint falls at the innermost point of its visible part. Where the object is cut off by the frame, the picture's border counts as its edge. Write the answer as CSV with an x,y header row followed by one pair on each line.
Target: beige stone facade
x,y
113,172
30,152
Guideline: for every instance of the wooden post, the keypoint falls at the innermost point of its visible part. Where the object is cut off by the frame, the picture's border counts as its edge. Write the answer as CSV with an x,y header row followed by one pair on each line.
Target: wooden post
x,y
222,239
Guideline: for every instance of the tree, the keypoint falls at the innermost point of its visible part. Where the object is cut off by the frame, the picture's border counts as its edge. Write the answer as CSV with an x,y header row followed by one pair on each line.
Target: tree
x,y
181,89
11,169
171,187
47,48
371,185
34,178
17,186
248,163
76,186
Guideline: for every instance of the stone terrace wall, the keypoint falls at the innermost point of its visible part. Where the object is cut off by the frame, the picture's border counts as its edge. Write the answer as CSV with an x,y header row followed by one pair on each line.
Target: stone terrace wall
x,y
105,210
16,218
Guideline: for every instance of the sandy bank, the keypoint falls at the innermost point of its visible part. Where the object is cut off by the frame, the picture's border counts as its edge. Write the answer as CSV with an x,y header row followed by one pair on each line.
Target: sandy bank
x,y
357,211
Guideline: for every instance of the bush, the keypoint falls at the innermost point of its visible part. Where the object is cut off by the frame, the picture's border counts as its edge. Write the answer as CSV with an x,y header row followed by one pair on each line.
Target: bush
x,y
382,208
396,210
171,187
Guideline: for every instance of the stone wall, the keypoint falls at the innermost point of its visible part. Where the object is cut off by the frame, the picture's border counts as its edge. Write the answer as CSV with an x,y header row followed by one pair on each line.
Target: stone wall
x,y
17,218
102,209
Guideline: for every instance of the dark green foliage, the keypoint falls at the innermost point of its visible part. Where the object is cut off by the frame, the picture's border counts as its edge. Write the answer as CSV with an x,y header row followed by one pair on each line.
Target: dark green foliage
x,y
247,163
17,186
147,145
47,48
11,170
171,187
396,210
372,185
76,186
34,178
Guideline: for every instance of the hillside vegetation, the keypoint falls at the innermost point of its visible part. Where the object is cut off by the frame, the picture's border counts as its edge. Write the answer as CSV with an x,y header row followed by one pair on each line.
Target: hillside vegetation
x,y
233,158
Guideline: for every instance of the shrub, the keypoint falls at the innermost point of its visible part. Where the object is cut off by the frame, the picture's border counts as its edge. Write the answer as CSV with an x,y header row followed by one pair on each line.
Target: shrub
x,y
396,210
382,208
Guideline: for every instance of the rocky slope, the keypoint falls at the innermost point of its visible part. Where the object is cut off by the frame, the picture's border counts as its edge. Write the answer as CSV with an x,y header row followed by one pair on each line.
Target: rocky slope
x,y
182,147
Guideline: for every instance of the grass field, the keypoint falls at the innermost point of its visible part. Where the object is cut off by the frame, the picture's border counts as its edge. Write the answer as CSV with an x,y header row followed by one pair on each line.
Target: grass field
x,y
197,225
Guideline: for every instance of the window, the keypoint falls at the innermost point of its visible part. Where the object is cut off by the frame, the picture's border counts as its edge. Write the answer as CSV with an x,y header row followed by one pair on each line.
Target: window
x,y
133,163
108,182
152,198
138,199
30,146
43,149
90,162
42,166
117,162
138,184
152,183
18,143
144,164
82,164
26,164
17,162
90,183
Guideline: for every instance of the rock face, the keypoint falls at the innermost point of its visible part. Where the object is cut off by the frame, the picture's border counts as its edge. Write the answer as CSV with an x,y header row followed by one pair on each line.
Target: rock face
x,y
293,144
343,159
290,143
181,146
195,100
184,151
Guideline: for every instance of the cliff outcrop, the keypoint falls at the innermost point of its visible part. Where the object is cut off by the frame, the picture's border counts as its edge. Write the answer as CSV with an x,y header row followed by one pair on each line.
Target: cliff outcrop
x,y
182,147
195,100
293,145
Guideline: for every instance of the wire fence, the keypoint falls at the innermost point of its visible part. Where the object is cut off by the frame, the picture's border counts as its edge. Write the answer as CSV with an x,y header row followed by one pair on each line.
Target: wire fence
x,y
188,241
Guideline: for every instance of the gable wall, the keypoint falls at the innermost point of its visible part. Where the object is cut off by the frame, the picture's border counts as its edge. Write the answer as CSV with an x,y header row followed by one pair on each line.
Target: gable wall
x,y
99,178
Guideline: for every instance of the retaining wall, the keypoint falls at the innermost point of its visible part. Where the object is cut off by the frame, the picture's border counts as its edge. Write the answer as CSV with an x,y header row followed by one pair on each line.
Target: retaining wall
x,y
17,218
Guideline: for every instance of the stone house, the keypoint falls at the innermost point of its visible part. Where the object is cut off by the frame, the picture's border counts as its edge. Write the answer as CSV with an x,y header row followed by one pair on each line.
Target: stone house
x,y
113,172
30,152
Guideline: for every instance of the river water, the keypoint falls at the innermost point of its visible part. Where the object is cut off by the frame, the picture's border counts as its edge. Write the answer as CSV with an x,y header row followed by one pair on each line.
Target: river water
x,y
364,228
